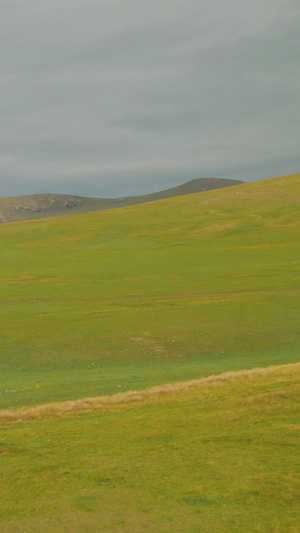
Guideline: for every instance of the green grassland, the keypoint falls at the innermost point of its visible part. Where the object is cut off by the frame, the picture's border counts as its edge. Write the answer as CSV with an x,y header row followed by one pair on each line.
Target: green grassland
x,y
172,290
220,456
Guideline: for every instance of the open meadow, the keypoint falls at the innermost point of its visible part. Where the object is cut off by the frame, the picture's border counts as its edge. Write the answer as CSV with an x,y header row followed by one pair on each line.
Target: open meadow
x,y
96,305
173,290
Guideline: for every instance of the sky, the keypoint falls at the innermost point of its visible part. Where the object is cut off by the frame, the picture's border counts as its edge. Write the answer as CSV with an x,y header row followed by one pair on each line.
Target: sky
x,y
122,97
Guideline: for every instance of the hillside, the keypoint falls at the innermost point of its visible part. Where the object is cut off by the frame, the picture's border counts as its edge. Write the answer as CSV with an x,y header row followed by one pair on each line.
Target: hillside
x,y
104,302
216,455
50,205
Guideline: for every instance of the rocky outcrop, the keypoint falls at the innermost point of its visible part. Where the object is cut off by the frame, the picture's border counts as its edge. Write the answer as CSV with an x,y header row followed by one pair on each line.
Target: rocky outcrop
x,y
71,203
33,206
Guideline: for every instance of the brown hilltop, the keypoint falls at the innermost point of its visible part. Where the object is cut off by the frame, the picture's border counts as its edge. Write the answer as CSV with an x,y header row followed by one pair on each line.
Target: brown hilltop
x,y
35,206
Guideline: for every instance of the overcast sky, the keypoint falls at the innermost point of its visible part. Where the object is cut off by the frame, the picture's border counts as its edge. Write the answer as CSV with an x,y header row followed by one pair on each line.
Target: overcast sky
x,y
122,97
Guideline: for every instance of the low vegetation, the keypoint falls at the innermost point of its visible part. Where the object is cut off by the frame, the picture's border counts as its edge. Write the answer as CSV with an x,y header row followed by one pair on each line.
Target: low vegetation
x,y
169,291
98,312
219,455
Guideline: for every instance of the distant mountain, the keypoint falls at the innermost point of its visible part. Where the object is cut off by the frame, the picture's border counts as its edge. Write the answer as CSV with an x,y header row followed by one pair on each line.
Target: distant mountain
x,y
50,205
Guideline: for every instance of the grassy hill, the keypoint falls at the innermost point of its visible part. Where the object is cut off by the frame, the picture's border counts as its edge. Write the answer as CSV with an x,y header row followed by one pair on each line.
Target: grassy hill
x,y
218,455
38,206
104,302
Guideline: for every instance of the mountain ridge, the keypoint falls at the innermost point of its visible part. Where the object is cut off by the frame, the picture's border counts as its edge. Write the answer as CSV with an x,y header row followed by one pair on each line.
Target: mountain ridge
x,y
44,205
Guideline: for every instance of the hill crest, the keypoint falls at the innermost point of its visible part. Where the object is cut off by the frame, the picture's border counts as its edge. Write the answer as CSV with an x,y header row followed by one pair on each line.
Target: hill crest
x,y
37,206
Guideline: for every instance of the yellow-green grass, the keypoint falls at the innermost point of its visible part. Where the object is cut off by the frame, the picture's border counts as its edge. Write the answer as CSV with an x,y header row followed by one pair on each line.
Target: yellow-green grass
x,y
173,290
218,455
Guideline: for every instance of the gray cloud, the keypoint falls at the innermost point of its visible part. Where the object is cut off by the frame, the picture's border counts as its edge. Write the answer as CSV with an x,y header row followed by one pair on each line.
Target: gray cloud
x,y
122,97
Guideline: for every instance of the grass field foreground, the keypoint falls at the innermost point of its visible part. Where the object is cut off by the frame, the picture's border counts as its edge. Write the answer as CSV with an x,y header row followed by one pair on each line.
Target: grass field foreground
x,y
221,456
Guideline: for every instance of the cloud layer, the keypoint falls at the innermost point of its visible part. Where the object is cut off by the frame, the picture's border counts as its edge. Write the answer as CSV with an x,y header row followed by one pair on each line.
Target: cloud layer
x,y
121,97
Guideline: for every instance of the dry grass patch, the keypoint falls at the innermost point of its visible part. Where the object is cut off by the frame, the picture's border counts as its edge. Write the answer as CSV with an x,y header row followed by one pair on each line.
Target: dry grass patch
x,y
64,409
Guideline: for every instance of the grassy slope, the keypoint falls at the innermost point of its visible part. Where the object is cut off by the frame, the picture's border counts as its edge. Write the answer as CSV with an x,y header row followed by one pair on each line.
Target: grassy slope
x,y
220,457
85,300
37,206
